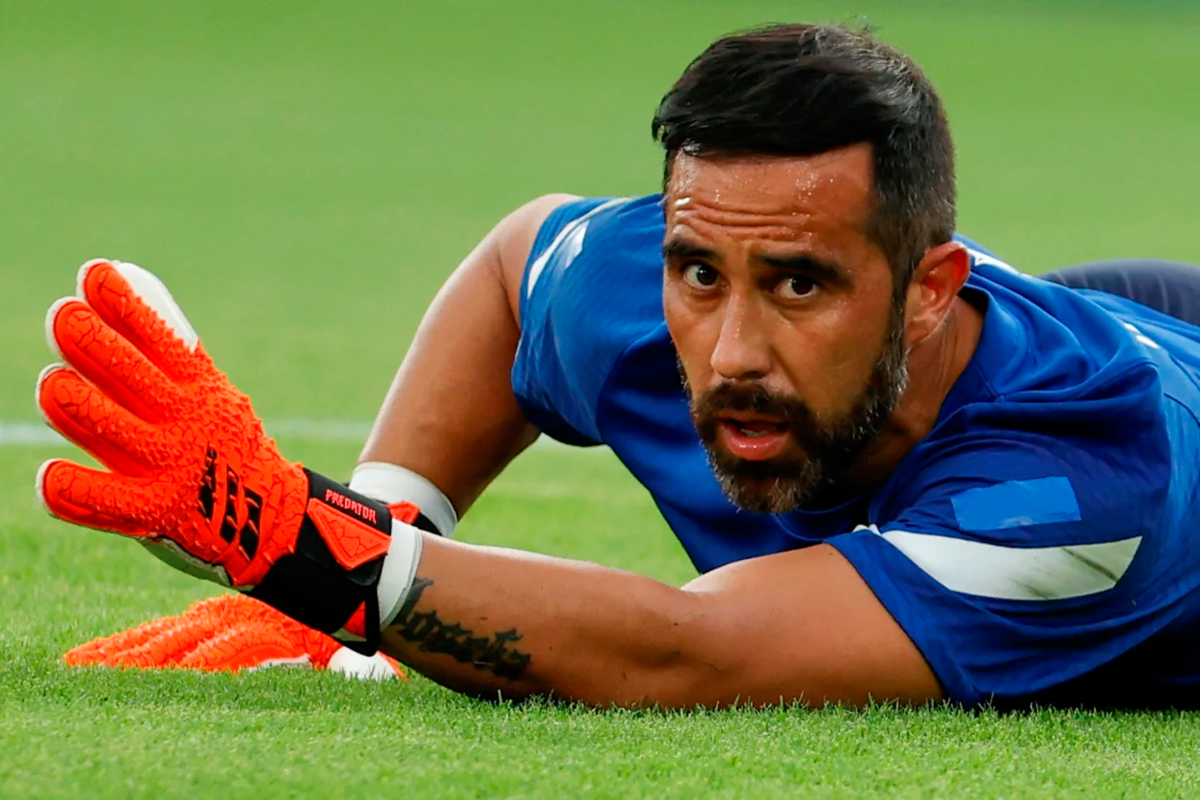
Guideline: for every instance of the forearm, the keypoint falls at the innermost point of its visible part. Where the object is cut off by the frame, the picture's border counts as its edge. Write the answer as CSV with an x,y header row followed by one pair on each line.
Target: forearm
x,y
447,415
450,414
491,621
800,626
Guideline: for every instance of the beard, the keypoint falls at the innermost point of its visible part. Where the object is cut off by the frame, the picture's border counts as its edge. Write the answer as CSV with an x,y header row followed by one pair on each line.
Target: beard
x,y
828,448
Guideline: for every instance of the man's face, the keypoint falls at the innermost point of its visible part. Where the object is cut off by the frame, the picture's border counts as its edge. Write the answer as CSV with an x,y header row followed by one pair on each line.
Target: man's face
x,y
782,312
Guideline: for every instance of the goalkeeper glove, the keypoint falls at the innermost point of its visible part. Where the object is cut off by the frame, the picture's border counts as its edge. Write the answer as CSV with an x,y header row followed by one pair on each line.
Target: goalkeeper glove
x,y
229,633
192,474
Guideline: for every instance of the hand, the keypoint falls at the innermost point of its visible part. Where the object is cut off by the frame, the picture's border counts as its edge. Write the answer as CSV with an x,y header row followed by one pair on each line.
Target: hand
x,y
229,633
190,470
188,457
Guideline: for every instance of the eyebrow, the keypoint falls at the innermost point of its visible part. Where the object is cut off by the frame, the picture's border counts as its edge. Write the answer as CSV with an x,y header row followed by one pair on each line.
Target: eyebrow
x,y
680,250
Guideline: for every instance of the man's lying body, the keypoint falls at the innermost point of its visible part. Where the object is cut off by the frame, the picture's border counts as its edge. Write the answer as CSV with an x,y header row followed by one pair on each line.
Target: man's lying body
x,y
955,481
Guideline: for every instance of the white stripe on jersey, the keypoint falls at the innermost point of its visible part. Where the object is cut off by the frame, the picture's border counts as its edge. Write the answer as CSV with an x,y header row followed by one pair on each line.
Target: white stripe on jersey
x,y
1016,573
578,226
978,257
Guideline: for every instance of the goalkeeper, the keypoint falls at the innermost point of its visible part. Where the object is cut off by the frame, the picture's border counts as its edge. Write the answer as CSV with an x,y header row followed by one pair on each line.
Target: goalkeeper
x,y
905,471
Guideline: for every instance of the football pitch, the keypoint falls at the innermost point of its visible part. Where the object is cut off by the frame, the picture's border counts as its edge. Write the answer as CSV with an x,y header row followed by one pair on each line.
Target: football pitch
x,y
304,175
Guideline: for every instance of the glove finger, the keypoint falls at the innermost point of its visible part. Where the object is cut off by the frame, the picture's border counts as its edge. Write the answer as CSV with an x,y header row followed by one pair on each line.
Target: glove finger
x,y
217,612
247,646
109,361
97,651
90,419
172,645
136,304
93,498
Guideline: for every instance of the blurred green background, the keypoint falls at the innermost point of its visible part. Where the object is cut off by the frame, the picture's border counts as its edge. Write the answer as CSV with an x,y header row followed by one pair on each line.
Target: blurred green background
x,y
304,175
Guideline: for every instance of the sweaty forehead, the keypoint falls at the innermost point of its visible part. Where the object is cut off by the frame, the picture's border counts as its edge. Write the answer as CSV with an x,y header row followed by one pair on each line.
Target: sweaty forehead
x,y
830,190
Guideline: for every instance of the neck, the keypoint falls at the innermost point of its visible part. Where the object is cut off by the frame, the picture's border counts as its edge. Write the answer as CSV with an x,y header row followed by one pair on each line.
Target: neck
x,y
934,365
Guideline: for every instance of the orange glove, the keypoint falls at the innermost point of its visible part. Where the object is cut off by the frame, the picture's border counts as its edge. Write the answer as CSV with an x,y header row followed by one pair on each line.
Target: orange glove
x,y
191,472
229,633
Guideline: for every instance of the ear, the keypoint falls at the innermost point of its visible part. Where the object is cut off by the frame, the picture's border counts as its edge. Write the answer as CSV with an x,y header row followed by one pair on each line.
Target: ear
x,y
935,283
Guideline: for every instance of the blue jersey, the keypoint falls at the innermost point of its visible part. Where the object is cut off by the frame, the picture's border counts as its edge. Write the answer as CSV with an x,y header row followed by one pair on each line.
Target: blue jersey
x,y
1037,545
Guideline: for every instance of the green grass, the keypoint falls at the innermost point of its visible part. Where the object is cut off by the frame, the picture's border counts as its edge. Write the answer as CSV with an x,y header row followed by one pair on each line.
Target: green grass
x,y
304,175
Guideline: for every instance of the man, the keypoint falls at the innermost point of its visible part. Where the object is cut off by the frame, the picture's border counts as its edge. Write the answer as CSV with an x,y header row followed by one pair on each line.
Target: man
x,y
951,481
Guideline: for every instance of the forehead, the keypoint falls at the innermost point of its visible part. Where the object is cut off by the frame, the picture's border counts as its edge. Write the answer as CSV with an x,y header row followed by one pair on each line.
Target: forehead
x,y
830,191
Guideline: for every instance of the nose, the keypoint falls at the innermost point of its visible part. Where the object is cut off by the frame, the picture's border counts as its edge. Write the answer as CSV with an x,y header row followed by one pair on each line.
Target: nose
x,y
742,351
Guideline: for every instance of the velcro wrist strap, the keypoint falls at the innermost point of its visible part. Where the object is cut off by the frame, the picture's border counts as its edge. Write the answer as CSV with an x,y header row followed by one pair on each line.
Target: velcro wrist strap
x,y
332,574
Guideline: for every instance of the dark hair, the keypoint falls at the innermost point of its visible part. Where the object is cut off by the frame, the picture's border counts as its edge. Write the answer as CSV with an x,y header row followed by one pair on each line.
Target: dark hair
x,y
800,90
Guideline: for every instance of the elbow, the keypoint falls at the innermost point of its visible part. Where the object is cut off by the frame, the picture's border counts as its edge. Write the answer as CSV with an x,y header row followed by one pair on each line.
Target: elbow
x,y
684,669
690,680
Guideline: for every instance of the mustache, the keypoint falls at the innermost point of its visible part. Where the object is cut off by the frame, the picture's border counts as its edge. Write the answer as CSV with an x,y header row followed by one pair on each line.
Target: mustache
x,y
753,398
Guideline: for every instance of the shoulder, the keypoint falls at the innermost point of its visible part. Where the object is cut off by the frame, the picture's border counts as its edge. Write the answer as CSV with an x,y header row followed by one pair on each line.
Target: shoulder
x,y
1016,561
1050,354
595,255
591,285
550,231
993,478
514,238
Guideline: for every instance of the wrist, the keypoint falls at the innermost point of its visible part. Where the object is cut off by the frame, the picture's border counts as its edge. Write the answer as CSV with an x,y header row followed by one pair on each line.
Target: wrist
x,y
330,578
352,565
393,484
399,570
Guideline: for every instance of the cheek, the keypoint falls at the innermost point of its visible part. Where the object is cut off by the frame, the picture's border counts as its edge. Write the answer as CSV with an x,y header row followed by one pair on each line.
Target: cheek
x,y
692,336
827,361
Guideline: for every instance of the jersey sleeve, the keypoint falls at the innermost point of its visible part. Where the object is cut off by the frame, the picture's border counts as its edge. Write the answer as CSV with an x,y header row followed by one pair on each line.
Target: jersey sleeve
x,y
591,284
1019,565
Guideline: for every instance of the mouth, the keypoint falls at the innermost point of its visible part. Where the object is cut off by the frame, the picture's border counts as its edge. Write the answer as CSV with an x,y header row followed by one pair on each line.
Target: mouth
x,y
752,438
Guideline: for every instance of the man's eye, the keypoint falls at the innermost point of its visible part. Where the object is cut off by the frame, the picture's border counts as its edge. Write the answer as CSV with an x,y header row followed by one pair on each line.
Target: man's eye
x,y
699,276
797,287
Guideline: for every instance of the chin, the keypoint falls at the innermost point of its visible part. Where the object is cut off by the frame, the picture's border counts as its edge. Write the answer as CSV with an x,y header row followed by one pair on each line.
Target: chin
x,y
762,495
773,486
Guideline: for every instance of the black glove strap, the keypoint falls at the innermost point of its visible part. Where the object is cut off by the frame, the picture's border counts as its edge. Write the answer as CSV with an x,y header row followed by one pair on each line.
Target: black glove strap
x,y
310,586
424,523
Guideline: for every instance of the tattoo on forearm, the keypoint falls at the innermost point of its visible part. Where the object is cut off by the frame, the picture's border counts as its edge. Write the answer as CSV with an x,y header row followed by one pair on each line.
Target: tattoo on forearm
x,y
432,635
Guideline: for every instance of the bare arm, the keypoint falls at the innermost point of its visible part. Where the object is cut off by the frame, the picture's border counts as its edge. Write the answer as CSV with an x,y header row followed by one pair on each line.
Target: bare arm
x,y
488,621
800,625
450,414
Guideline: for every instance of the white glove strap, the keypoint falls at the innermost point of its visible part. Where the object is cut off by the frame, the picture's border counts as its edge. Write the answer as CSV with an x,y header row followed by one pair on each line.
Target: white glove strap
x,y
399,570
392,484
